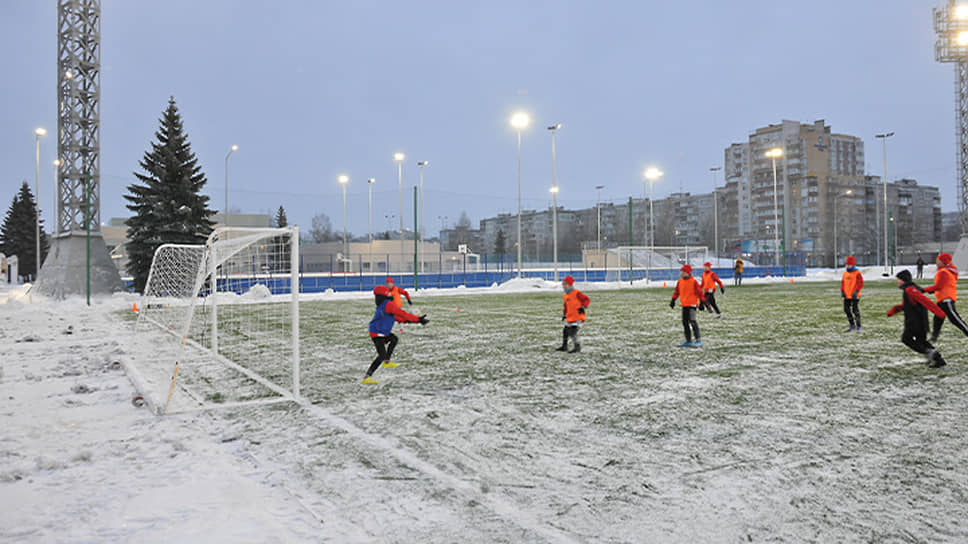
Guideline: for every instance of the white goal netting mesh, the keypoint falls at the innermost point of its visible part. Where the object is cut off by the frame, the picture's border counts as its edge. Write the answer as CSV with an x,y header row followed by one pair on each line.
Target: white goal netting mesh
x,y
658,262
230,311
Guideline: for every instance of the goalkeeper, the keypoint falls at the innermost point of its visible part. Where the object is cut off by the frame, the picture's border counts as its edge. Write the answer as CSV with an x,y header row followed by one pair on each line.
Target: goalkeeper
x,y
381,330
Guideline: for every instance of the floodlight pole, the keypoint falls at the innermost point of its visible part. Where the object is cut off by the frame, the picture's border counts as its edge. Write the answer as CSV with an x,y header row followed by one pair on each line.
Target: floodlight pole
x,y
883,138
715,215
554,196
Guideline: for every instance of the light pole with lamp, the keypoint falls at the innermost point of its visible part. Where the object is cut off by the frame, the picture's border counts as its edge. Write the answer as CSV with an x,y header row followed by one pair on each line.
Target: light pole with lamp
x,y
598,210
715,214
520,122
773,154
39,133
343,180
883,138
369,190
651,175
398,158
421,164
554,197
232,149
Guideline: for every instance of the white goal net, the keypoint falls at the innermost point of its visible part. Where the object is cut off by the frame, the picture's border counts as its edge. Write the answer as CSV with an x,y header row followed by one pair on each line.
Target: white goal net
x,y
230,311
660,263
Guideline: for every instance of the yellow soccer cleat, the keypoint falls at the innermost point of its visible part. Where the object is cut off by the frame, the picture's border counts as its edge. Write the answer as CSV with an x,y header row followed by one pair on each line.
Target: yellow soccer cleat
x,y
369,380
390,364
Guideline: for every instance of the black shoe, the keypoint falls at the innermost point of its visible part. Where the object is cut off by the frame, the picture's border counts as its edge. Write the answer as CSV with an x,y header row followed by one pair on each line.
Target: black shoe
x,y
562,348
575,349
934,339
937,361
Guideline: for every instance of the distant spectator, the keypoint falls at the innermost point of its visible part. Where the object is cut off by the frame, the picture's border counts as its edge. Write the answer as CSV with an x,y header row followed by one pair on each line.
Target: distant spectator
x,y
738,272
920,264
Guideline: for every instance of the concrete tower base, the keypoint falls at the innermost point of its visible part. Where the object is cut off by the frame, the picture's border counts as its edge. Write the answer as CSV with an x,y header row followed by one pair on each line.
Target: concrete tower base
x,y
960,255
65,270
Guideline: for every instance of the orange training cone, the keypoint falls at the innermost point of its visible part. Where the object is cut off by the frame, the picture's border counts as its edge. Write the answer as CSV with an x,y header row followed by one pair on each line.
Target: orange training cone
x,y
134,307
663,285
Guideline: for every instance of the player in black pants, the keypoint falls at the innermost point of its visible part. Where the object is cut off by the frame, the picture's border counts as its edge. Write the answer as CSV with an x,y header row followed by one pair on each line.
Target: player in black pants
x,y
915,307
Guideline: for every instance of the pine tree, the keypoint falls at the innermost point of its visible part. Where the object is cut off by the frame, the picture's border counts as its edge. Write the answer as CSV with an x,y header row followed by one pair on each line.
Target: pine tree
x,y
280,219
18,235
500,243
168,205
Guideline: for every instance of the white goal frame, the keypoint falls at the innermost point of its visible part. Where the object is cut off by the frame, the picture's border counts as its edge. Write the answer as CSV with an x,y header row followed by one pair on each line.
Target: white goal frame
x,y
174,293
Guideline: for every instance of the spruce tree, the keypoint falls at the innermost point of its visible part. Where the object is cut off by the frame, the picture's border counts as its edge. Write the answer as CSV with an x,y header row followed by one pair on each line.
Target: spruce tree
x,y
168,205
500,243
280,219
18,235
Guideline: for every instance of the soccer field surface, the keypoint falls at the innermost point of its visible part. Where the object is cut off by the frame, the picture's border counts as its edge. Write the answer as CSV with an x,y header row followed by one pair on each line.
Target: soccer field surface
x,y
782,427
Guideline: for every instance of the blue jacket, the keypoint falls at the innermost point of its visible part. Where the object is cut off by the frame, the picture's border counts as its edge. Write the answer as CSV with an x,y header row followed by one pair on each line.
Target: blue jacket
x,y
387,313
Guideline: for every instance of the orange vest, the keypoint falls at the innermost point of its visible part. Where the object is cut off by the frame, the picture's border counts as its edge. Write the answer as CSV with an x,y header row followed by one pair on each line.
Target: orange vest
x,y
573,301
395,293
852,281
946,285
689,292
709,281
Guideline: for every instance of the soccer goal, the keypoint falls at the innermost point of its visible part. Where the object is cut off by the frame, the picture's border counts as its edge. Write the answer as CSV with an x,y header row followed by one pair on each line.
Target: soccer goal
x,y
657,262
229,314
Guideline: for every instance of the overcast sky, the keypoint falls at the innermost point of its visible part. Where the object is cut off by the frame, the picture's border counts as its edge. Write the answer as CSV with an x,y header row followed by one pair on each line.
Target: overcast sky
x,y
312,89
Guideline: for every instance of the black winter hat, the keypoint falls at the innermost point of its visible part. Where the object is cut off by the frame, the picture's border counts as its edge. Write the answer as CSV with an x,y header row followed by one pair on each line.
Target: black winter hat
x,y
905,276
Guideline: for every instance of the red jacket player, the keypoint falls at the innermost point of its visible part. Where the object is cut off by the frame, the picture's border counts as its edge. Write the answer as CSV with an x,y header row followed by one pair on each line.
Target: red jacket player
x,y
573,314
915,307
709,281
381,329
690,295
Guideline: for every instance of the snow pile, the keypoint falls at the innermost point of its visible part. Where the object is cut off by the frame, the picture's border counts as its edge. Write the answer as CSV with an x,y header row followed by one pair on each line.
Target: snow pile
x,y
258,292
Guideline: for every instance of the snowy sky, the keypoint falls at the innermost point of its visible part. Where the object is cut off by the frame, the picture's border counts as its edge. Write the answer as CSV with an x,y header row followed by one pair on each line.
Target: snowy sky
x,y
312,89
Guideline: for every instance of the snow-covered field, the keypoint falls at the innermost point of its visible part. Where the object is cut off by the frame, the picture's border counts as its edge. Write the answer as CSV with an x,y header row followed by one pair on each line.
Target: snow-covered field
x,y
782,428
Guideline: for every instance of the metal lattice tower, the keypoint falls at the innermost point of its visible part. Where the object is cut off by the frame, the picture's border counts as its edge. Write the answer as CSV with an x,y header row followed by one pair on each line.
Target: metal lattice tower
x,y
79,112
951,26
78,260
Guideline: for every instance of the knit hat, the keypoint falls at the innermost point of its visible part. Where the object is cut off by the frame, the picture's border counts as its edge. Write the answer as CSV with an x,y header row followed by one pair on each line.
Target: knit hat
x,y
381,290
851,261
686,268
388,280
707,264
905,276
945,258
568,280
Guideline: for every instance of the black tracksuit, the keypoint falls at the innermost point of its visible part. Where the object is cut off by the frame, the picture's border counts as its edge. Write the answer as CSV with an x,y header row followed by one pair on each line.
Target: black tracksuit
x,y
915,307
384,350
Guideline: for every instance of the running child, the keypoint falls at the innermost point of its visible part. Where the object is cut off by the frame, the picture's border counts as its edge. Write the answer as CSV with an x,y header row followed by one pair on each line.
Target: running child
x,y
381,330
945,291
850,286
573,314
915,307
709,281
691,295
397,293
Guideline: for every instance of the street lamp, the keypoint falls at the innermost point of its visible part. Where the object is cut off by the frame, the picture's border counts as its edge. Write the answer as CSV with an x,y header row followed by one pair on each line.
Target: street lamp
x,y
883,138
715,214
398,157
232,149
554,196
651,175
57,164
519,121
836,222
598,209
421,164
369,189
774,154
343,180
39,132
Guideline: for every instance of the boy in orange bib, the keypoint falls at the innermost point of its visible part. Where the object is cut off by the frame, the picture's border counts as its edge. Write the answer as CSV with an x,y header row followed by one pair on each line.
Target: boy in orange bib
x,y
709,281
850,286
690,295
573,314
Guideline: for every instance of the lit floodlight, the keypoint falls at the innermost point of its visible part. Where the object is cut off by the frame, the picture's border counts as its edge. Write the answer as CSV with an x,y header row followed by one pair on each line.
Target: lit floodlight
x,y
343,179
520,120
40,131
961,11
399,157
554,189
775,153
652,173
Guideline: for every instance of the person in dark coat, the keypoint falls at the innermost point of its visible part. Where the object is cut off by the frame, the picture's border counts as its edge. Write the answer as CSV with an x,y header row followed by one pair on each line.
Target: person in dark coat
x,y
915,307
920,264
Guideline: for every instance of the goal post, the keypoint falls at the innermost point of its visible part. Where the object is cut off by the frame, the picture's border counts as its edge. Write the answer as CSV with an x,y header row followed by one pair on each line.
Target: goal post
x,y
656,263
232,303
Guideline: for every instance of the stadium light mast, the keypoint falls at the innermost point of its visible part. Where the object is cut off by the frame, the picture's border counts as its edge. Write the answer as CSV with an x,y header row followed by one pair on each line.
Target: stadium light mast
x,y
774,154
232,149
883,138
598,208
554,197
519,121
951,27
39,133
715,214
343,180
398,158
422,165
651,175
369,189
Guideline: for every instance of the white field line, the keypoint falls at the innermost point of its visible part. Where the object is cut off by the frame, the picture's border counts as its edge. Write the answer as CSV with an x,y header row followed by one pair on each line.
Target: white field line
x,y
504,509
